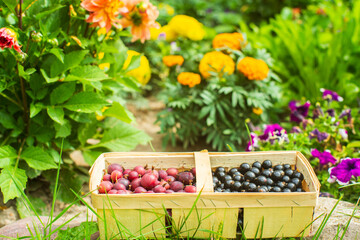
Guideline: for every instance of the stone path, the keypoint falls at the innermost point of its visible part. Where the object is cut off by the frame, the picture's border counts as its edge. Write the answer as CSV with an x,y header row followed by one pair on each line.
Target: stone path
x,y
338,218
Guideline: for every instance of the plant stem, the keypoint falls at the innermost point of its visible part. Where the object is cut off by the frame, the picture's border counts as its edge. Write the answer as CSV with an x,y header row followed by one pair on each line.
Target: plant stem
x,y
26,110
20,14
19,153
11,100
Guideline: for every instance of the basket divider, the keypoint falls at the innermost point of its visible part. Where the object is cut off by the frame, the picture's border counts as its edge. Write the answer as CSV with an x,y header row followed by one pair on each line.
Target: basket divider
x,y
203,172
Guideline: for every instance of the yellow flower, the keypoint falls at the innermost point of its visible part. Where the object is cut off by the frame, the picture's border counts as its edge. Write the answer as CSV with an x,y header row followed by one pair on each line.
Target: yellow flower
x,y
143,72
253,69
104,66
170,34
101,55
216,62
188,27
257,111
232,40
100,118
169,9
173,60
189,78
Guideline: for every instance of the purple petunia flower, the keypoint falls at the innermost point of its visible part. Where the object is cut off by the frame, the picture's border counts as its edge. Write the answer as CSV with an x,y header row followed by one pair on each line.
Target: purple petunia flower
x,y
298,112
254,143
162,36
331,112
331,95
345,170
271,131
343,133
324,157
321,136
346,113
296,129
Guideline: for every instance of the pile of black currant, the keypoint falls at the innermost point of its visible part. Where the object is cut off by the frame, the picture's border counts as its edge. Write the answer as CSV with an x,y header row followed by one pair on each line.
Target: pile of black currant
x,y
258,177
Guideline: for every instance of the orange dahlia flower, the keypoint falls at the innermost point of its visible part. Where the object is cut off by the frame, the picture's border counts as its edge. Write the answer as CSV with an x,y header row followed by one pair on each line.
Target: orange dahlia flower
x,y
103,13
253,69
173,60
189,78
8,39
232,40
216,62
141,16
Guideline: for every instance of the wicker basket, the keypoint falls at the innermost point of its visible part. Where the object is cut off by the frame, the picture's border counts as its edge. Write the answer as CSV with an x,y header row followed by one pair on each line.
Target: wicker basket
x,y
272,214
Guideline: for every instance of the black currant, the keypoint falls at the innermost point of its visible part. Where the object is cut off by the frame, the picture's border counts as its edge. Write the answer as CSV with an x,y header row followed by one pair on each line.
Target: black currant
x,y
280,184
286,190
229,183
252,187
277,175
276,189
270,182
257,164
266,173
278,167
233,170
296,181
267,164
245,185
249,176
237,178
291,186
286,178
287,166
220,169
298,175
255,170
244,167
262,189
261,180
236,186
289,172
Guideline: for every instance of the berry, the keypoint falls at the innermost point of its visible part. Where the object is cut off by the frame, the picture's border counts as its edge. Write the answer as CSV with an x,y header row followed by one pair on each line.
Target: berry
x,y
262,189
186,177
107,177
190,189
236,186
249,176
276,189
113,167
252,187
176,186
261,180
193,171
227,177
277,175
169,191
169,179
298,175
245,185
149,180
140,170
291,186
115,175
135,183
105,186
270,182
124,181
289,172
280,184
233,170
286,178
255,170
215,180
287,166
286,190
140,190
220,169
278,167
113,191
133,175
244,167
237,178
229,183
266,164
119,186
266,173
162,174
159,189
296,181
172,172
257,164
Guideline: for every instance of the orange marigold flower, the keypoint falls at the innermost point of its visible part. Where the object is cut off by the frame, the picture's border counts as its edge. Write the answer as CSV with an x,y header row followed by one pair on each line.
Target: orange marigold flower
x,y
8,39
216,62
141,16
189,78
257,111
103,13
253,69
232,40
173,60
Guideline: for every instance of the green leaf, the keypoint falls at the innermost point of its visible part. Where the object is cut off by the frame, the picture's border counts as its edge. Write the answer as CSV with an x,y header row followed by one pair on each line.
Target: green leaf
x,y
56,114
24,211
355,144
58,53
74,58
7,121
35,109
11,4
87,102
82,231
7,156
91,156
12,182
48,11
134,63
62,93
117,111
47,78
63,130
88,73
37,158
86,131
122,137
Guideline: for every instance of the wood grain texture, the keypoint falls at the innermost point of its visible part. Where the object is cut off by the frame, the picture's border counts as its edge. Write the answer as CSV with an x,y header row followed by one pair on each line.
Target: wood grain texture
x,y
277,221
131,223
203,172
